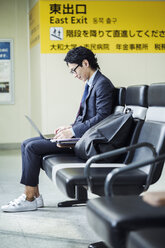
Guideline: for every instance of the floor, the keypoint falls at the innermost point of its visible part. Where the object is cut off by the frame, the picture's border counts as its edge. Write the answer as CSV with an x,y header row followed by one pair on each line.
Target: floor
x,y
49,227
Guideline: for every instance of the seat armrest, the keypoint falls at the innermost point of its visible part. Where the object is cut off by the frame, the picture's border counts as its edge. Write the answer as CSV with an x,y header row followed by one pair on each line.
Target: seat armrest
x,y
108,187
114,153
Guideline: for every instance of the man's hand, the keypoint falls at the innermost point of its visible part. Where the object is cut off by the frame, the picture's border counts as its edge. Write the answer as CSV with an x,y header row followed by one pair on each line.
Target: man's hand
x,y
61,129
65,133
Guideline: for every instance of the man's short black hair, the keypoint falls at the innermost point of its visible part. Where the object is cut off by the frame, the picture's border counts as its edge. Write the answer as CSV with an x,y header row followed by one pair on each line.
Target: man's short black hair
x,y
78,54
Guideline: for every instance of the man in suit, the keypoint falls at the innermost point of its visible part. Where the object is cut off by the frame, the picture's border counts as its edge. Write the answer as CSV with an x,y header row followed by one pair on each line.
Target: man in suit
x,y
96,104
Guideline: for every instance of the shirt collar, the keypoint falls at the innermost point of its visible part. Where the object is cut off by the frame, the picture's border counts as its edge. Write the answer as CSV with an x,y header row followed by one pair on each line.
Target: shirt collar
x,y
90,81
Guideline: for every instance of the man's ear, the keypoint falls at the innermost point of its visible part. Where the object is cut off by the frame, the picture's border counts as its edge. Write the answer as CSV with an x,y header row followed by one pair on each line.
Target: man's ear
x,y
85,63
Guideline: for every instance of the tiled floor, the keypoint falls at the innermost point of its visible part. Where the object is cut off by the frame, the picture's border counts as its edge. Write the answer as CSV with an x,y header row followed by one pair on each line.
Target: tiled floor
x,y
49,227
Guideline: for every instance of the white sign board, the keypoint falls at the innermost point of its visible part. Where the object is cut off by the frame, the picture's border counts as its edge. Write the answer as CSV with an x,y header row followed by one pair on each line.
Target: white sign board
x,y
6,72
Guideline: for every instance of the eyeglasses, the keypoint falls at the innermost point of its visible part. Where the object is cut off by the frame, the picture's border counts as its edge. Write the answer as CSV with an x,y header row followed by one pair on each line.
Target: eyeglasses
x,y
73,71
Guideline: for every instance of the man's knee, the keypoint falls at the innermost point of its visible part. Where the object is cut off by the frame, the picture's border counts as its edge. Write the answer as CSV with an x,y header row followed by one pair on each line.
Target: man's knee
x,y
23,145
26,144
30,147
37,147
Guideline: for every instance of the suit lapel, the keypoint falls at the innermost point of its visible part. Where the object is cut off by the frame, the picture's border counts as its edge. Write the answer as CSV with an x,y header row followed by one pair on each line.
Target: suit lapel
x,y
90,90
94,82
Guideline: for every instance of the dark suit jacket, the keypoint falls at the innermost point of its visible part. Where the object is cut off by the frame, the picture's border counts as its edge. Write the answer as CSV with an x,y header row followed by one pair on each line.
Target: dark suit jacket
x,y
97,106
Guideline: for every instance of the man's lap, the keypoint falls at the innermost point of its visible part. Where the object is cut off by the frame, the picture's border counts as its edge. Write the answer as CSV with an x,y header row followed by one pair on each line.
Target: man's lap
x,y
43,147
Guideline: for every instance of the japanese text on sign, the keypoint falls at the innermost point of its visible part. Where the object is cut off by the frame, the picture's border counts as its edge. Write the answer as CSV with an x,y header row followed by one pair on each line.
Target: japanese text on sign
x,y
103,26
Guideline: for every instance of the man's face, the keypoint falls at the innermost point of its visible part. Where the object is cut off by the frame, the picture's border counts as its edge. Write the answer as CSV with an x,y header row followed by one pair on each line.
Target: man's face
x,y
80,72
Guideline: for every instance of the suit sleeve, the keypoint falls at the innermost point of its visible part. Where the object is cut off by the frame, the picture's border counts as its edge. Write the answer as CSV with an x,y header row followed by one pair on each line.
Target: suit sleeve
x,y
104,103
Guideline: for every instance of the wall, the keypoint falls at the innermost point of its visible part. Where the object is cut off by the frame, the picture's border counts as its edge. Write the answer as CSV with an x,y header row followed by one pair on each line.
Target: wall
x,y
13,25
61,93
45,89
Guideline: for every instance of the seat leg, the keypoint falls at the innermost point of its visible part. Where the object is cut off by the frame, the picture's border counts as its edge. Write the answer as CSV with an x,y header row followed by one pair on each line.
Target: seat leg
x,y
80,198
98,245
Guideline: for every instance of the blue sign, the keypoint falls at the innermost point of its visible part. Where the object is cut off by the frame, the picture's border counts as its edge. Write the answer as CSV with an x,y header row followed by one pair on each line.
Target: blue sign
x,y
4,50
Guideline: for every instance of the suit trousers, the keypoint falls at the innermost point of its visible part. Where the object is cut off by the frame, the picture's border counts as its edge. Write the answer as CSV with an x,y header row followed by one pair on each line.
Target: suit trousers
x,y
33,150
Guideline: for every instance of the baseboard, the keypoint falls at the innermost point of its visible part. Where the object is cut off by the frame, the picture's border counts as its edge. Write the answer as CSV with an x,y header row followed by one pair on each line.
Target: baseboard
x,y
10,146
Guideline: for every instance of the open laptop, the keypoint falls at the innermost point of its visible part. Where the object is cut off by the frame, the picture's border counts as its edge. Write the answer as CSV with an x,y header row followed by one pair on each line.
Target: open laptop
x,y
63,142
47,136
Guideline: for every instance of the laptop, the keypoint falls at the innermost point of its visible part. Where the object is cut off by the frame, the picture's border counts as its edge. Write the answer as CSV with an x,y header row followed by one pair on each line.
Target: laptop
x,y
46,136
62,142
66,142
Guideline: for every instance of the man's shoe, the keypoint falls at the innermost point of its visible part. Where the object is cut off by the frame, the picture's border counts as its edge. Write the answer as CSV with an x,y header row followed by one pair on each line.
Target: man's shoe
x,y
20,205
40,201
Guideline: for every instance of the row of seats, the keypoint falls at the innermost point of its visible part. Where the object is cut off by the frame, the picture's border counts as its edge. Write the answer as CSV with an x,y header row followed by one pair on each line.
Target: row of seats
x,y
146,142
134,98
127,221
68,171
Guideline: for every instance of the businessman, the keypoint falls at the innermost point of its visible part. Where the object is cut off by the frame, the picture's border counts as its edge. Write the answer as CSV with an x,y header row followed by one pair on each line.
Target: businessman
x,y
96,104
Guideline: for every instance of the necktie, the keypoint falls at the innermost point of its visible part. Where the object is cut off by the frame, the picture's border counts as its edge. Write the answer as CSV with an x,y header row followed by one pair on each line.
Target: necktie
x,y
83,100
85,93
